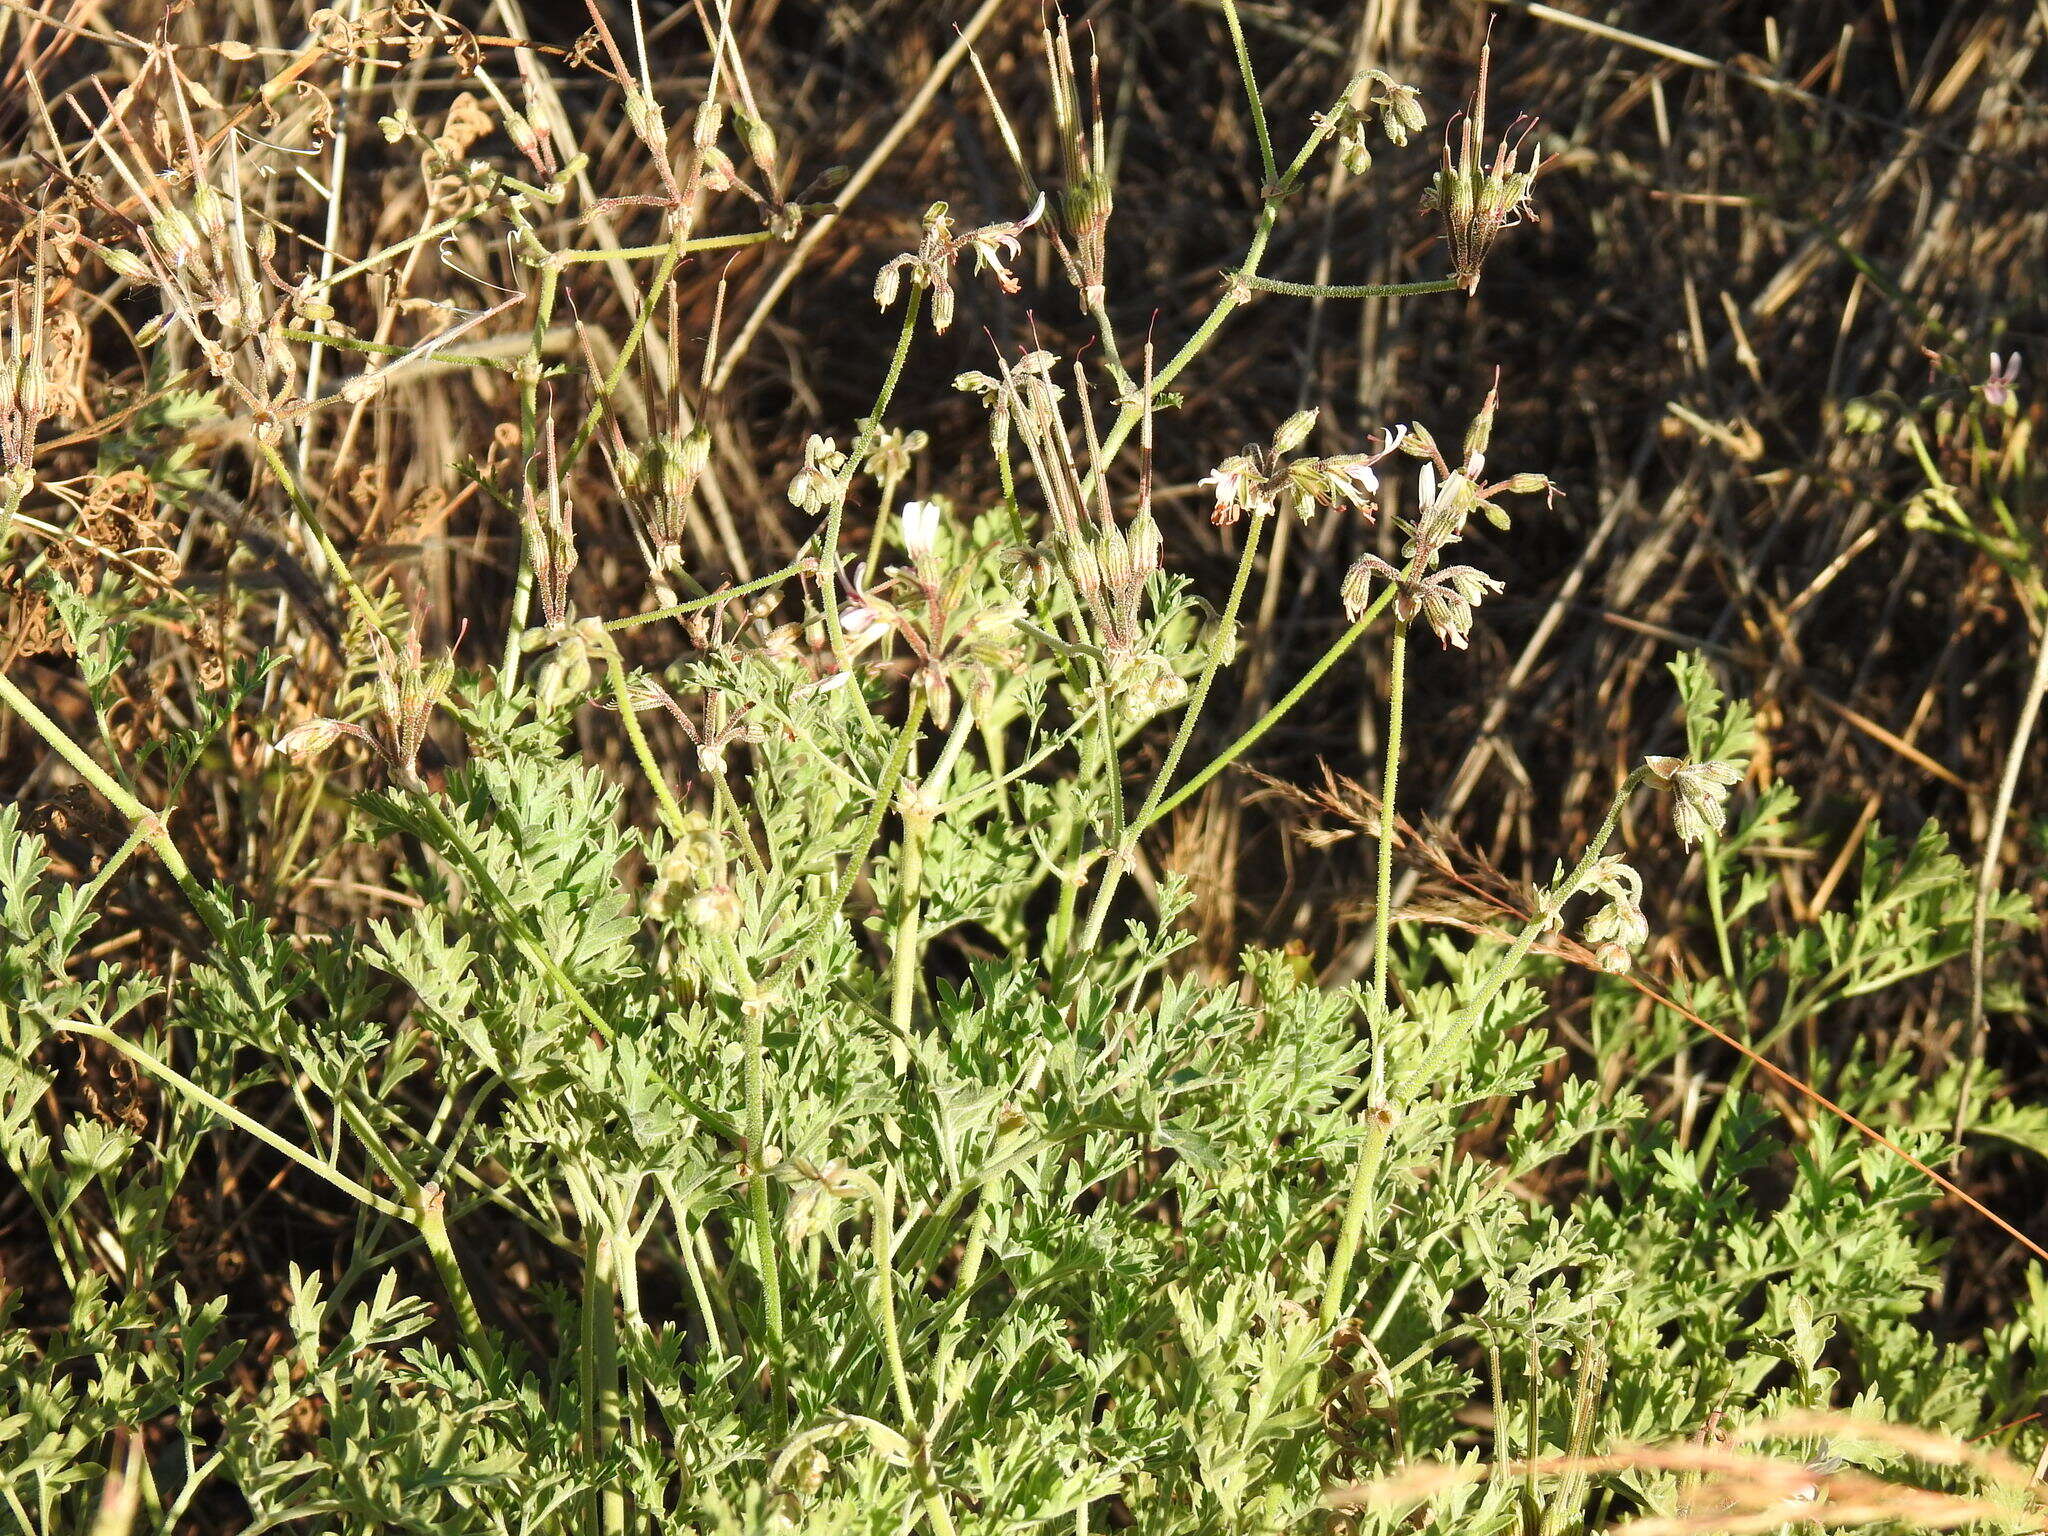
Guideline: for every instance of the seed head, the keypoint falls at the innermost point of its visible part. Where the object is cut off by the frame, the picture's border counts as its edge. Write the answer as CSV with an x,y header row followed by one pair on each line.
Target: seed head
x,y
1477,200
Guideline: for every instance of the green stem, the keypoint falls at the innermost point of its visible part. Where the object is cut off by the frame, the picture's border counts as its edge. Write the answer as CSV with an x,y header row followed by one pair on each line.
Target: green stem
x,y
431,1217
881,1207
592,417
1251,93
1273,716
1225,634
729,807
337,567
165,1073
1349,290
906,950
393,349
1717,909
885,795
139,817
598,1366
767,1261
710,599
666,248
622,696
1365,1177
1383,903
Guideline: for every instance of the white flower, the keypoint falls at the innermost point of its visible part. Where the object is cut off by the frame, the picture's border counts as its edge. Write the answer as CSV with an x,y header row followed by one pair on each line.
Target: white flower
x,y
1238,489
920,528
1355,478
831,683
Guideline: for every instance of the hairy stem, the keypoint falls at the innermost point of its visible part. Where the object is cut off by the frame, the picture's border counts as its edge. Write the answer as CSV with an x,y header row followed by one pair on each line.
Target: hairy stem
x,y
622,696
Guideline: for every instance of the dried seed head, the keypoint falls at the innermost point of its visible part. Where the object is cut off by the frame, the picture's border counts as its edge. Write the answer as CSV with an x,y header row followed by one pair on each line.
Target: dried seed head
x,y
1476,199
409,688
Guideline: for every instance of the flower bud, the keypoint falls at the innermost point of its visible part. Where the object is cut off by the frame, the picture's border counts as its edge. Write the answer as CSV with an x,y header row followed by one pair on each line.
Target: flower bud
x,y
1143,544
1357,589
125,264
1028,569
1613,959
1405,106
1294,431
310,739
1480,433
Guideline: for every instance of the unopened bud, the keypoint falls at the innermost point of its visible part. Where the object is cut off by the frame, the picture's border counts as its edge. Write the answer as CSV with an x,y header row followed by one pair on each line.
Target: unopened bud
x,y
125,264
1294,431
1481,430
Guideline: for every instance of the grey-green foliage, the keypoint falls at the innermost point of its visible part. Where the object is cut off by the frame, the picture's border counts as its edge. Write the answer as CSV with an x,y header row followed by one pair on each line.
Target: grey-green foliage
x,y
1148,1169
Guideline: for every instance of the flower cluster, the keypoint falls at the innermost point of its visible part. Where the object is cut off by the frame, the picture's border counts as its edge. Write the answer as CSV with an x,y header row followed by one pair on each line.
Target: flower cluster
x,y
931,264
1442,596
1372,94
1618,929
573,650
813,487
690,880
960,633
1699,793
1263,481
